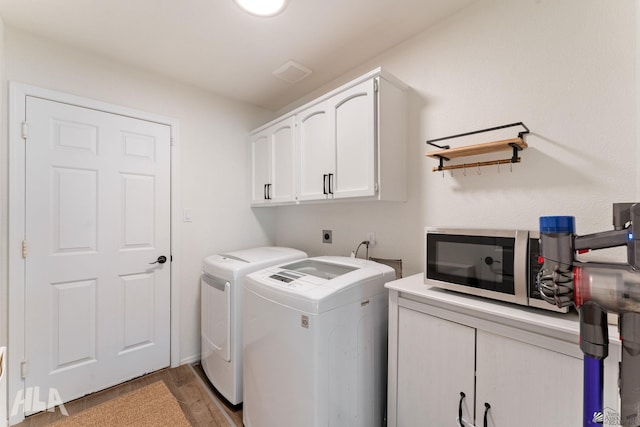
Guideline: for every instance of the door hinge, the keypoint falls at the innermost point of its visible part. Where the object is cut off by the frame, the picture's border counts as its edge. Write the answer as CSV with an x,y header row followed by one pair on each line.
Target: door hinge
x,y
375,85
23,369
173,141
376,187
24,249
25,130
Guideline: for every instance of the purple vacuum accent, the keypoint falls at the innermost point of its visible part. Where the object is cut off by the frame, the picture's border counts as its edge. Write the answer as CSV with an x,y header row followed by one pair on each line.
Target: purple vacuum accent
x,y
592,399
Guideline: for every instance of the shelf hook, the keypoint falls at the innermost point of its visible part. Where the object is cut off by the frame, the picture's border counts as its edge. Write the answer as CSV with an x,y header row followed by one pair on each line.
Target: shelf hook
x,y
479,171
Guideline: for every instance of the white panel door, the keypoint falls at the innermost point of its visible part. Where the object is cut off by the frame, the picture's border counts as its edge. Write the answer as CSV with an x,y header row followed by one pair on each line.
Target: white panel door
x,y
354,113
260,160
283,162
436,362
317,152
97,214
526,384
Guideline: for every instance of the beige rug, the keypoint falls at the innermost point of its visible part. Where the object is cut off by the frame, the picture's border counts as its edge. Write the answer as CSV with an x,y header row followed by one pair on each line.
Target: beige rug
x,y
151,406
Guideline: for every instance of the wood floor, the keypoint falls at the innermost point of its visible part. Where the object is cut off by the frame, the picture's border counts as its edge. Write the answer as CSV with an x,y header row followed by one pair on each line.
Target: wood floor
x,y
200,402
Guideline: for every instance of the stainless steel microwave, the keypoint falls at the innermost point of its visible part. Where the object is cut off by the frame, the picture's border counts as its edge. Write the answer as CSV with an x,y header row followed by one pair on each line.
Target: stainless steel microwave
x,y
496,264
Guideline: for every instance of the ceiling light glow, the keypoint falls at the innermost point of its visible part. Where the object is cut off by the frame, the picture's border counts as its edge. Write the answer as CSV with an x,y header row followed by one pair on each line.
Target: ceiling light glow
x,y
262,7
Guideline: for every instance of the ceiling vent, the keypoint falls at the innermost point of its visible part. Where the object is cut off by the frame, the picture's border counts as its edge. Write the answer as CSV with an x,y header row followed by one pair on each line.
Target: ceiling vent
x,y
292,72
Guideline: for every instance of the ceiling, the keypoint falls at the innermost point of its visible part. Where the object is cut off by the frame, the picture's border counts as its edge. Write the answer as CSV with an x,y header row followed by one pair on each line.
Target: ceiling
x,y
214,45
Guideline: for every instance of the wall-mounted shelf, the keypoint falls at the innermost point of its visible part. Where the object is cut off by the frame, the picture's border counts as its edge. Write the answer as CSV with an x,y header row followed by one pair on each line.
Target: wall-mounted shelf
x,y
447,153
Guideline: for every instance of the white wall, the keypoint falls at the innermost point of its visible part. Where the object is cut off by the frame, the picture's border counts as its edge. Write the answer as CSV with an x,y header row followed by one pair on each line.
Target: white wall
x,y
213,150
4,232
566,68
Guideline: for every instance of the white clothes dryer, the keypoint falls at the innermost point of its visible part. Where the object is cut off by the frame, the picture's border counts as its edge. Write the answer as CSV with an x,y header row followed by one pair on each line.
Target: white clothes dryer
x,y
221,286
315,336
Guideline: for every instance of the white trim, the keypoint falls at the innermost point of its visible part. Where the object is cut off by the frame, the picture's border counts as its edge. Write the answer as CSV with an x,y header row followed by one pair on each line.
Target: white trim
x,y
16,324
176,223
190,360
637,102
17,104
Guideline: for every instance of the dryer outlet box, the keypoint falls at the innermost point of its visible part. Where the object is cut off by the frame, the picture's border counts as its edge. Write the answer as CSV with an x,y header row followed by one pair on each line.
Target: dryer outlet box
x,y
327,236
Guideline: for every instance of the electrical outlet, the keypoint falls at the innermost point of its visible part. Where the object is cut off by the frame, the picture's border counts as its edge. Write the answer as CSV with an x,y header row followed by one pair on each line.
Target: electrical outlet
x,y
371,237
327,236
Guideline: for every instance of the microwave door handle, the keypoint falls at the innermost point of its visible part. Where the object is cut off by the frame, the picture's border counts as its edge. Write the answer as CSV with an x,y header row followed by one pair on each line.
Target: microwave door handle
x,y
520,261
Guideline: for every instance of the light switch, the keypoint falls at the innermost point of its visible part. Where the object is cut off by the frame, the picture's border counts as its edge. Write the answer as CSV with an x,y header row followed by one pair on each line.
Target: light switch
x,y
188,215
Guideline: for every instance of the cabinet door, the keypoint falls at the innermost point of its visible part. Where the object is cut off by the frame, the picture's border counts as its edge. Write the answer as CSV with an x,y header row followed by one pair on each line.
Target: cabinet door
x,y
436,360
282,166
317,151
526,385
354,113
260,159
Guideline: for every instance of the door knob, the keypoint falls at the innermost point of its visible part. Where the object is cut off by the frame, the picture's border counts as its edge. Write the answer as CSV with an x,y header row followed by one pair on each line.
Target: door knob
x,y
161,260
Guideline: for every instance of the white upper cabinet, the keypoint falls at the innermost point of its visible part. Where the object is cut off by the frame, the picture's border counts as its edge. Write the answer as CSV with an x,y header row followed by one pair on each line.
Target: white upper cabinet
x,y
350,144
273,163
337,145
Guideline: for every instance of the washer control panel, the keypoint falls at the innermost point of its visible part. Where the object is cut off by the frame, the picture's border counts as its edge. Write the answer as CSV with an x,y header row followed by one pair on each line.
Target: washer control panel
x,y
287,278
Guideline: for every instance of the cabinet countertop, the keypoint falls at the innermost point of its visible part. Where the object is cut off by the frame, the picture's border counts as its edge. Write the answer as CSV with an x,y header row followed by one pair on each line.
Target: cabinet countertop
x,y
565,326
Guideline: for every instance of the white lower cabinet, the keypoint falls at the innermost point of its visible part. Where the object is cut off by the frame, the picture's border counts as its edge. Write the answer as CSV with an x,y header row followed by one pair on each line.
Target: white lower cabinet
x,y
495,364
439,360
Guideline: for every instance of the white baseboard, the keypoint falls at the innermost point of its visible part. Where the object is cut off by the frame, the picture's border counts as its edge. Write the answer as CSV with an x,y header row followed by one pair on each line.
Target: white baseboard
x,y
191,359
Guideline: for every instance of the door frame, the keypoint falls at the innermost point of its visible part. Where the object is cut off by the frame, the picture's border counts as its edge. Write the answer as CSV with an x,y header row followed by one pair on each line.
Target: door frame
x,y
17,173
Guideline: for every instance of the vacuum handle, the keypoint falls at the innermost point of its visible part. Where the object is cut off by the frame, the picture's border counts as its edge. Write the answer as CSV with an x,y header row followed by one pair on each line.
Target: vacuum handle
x,y
630,369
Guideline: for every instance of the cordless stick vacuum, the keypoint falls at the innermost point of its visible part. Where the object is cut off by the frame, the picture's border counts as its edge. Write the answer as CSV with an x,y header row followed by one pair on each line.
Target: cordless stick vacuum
x,y
595,289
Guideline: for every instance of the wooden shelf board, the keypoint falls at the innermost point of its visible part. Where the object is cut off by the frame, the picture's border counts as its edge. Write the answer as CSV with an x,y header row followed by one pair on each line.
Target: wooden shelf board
x,y
473,150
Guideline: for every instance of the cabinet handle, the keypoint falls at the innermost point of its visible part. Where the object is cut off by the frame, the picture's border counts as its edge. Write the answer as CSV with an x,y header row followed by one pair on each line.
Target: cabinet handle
x,y
462,396
264,191
324,184
330,183
486,414
268,191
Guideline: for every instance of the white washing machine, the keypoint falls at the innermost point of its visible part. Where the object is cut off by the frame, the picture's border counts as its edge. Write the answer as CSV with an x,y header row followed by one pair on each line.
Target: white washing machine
x,y
315,336
221,286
